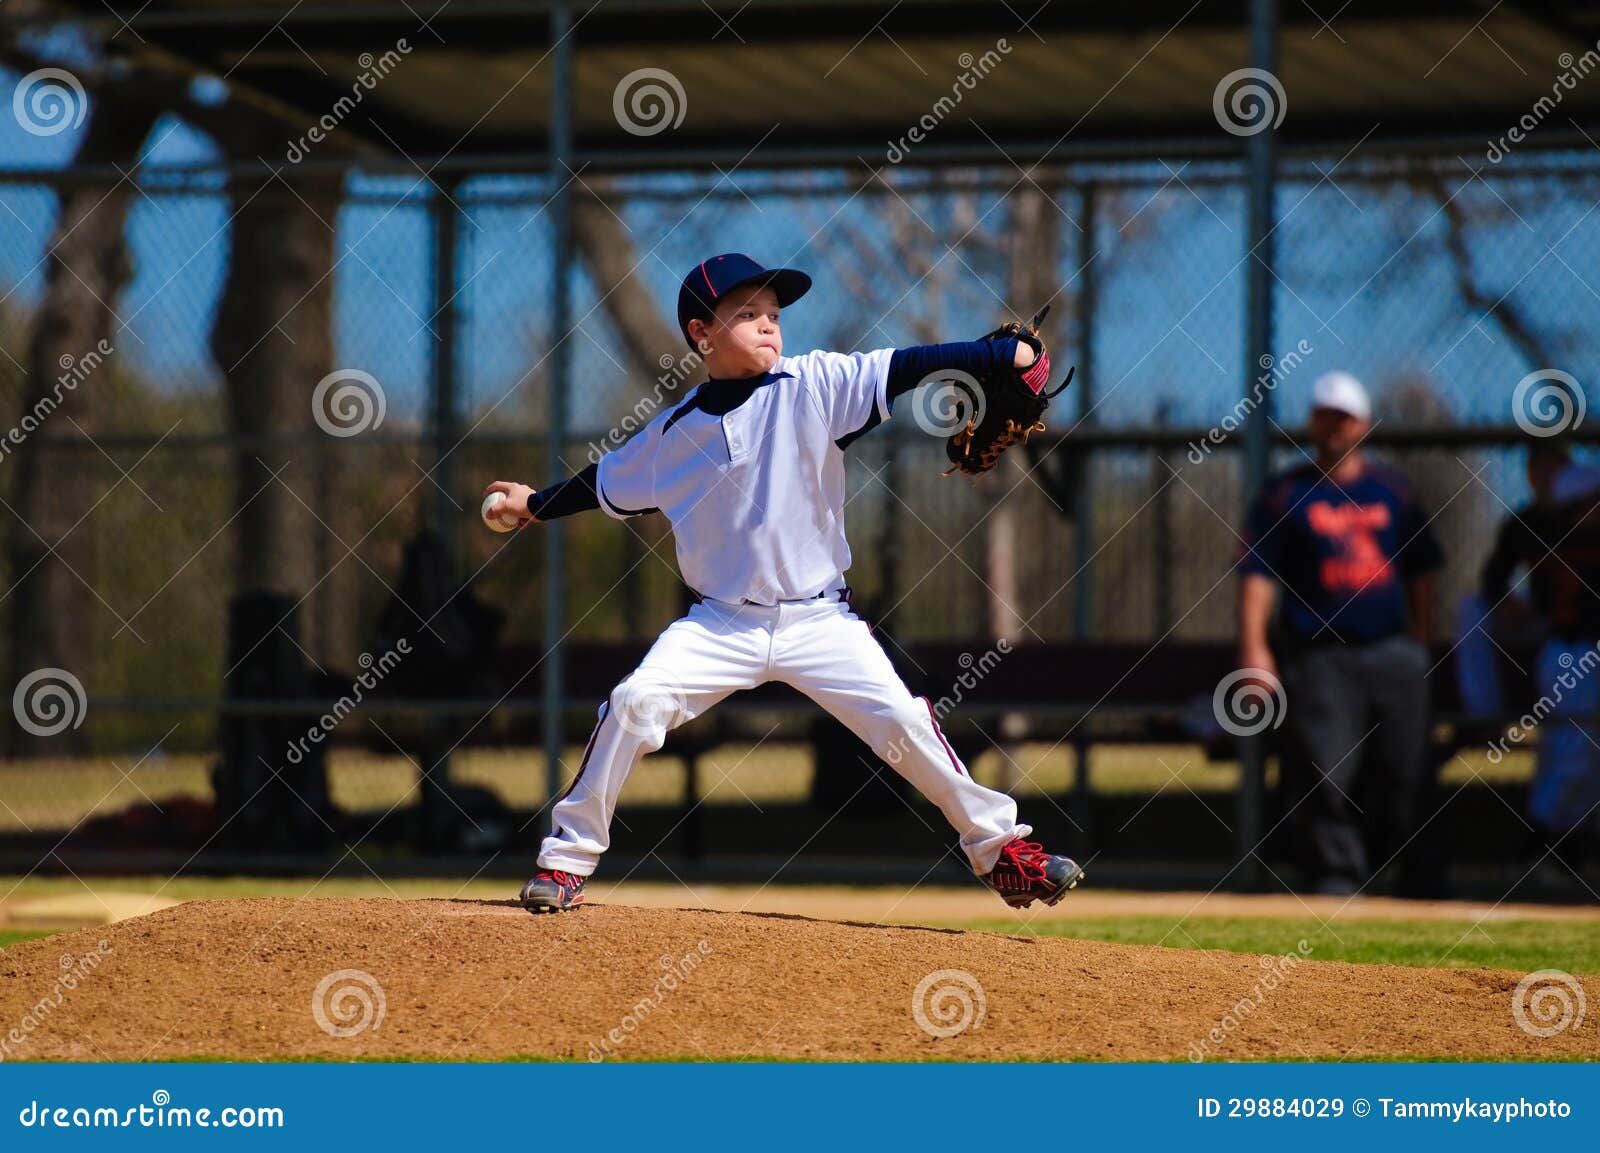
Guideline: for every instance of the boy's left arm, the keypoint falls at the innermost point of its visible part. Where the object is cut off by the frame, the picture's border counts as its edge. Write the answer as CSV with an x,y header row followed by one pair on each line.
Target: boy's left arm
x,y
858,390
909,367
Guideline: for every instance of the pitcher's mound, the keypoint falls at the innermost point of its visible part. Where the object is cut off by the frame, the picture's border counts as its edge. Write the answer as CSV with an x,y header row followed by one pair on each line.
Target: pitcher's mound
x,y
466,979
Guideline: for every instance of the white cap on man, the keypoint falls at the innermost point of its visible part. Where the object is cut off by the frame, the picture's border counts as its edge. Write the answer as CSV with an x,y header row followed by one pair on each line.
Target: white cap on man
x,y
1343,393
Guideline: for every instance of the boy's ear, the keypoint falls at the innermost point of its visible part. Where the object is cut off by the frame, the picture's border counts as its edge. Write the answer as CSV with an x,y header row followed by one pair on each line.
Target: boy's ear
x,y
699,332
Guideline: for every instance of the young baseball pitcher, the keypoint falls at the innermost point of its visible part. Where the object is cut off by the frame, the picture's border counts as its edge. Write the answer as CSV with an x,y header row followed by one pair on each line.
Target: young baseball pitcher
x,y
749,470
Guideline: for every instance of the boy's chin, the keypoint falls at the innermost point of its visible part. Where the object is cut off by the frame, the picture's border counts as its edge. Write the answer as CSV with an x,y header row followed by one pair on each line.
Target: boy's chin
x,y
757,361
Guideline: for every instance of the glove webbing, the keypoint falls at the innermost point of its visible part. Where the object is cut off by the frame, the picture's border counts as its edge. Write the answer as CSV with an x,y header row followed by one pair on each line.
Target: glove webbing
x,y
1013,433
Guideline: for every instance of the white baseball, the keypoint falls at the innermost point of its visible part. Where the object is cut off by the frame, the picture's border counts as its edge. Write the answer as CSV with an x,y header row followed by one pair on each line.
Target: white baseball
x,y
492,516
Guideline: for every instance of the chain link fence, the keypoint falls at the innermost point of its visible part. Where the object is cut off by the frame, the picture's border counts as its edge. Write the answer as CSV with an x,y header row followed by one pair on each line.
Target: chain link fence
x,y
1439,286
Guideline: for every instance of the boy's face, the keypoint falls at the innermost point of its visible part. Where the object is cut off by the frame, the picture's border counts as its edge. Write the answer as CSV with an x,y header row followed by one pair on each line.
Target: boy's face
x,y
743,333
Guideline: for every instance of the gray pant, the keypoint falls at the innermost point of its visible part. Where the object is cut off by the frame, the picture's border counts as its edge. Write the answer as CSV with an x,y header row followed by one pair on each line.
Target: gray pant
x,y
1355,761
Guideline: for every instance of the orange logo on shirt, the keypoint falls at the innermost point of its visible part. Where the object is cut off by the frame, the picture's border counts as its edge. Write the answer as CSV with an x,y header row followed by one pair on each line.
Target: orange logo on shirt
x,y
1359,562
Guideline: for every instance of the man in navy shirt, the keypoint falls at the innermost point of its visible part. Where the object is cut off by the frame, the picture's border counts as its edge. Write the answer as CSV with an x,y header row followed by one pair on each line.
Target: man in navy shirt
x,y
1341,552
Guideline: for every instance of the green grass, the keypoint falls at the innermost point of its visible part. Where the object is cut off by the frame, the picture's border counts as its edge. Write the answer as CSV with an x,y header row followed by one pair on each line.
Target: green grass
x,y
54,794
1520,945
8,937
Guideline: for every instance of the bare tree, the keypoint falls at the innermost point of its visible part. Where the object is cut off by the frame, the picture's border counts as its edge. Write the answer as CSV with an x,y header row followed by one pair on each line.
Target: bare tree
x,y
606,247
1034,240
273,340
1501,308
54,616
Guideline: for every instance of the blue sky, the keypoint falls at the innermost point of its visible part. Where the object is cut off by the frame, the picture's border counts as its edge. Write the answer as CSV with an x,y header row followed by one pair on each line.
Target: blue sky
x,y
1363,272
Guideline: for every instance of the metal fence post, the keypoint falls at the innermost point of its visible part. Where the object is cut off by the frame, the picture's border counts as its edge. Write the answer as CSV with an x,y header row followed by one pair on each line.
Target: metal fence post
x,y
1165,562
436,811
1082,796
560,380
1261,160
1083,503
446,406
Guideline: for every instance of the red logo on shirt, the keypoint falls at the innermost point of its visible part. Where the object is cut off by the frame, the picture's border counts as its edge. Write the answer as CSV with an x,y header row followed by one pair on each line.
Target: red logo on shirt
x,y
1358,561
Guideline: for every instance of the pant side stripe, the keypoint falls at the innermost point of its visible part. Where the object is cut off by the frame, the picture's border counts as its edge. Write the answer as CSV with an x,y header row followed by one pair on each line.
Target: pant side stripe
x,y
605,708
949,752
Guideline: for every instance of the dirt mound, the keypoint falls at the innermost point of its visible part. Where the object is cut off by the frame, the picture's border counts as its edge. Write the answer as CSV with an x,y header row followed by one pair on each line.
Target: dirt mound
x,y
470,979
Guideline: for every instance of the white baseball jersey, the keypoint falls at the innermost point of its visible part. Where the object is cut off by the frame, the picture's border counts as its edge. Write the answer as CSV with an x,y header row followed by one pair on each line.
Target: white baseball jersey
x,y
756,496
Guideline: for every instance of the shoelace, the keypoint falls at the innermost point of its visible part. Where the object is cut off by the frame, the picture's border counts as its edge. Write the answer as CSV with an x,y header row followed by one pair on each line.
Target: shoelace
x,y
1027,857
565,880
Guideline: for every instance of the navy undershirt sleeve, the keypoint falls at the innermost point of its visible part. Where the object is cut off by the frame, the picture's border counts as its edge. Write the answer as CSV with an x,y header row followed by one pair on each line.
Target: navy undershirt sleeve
x,y
578,493
910,366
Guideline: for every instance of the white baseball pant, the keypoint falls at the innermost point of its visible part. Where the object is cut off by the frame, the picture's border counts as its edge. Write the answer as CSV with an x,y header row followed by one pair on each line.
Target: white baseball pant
x,y
821,648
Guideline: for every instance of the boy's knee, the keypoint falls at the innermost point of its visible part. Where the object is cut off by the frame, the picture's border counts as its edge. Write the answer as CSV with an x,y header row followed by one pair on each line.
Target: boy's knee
x,y
648,703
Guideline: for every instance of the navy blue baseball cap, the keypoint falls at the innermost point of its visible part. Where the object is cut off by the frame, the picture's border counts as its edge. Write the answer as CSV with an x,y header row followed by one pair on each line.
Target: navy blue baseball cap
x,y
711,280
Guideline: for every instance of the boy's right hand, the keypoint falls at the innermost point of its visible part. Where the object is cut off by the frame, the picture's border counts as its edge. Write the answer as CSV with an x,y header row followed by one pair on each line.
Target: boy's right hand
x,y
516,502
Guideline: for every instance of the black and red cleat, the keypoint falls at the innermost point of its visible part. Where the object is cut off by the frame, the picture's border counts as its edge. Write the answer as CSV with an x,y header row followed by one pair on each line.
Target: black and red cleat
x,y
1026,873
552,890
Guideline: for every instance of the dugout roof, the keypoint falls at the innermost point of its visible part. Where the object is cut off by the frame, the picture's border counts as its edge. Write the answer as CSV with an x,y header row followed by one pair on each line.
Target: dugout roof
x,y
827,80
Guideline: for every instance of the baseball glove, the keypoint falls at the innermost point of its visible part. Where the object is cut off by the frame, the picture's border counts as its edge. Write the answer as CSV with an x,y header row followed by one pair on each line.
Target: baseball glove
x,y
1012,405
